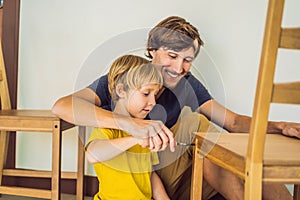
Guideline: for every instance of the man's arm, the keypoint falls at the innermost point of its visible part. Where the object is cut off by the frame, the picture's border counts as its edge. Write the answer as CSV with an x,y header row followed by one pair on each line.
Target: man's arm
x,y
83,108
234,122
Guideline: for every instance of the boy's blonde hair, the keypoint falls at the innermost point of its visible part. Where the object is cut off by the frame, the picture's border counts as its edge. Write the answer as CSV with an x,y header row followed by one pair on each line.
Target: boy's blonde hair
x,y
133,72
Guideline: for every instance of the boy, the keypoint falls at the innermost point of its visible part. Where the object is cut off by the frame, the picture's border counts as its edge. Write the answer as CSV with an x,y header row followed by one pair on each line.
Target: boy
x,y
123,163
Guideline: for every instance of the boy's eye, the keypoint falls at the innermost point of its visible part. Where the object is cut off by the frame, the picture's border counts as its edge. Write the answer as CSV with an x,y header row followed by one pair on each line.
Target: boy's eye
x,y
146,93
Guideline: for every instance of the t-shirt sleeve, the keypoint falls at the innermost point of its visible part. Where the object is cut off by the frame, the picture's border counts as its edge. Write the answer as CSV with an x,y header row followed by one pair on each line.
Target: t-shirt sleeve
x,y
99,134
191,92
154,158
100,87
200,91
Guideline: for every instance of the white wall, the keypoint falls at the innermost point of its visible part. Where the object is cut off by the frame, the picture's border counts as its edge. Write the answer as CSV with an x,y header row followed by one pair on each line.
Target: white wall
x,y
65,45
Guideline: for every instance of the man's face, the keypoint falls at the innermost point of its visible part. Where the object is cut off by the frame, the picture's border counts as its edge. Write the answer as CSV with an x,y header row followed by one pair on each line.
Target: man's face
x,y
174,65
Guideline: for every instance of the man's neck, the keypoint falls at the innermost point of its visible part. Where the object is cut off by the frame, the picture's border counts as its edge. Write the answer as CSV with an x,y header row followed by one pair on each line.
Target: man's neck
x,y
160,92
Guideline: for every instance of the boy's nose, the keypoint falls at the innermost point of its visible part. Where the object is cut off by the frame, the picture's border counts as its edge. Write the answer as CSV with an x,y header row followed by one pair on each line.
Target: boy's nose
x,y
152,100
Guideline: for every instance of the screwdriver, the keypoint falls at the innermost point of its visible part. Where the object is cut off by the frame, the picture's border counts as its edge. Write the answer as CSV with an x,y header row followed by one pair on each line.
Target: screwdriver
x,y
184,144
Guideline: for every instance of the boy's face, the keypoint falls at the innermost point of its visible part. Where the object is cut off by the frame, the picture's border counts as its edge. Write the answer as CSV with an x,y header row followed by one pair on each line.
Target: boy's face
x,y
174,65
140,102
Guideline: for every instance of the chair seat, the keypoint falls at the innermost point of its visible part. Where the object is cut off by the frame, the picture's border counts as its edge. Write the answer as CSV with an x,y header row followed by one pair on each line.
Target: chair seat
x,y
29,114
230,150
32,120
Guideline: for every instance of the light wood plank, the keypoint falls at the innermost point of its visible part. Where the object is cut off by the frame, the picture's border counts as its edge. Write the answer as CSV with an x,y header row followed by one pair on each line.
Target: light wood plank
x,y
279,150
217,152
56,161
37,173
3,151
282,174
290,38
80,163
197,173
26,125
288,93
27,192
46,115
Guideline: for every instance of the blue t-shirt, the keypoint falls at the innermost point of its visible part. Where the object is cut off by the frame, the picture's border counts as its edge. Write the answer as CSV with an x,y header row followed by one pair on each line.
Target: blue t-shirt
x,y
188,92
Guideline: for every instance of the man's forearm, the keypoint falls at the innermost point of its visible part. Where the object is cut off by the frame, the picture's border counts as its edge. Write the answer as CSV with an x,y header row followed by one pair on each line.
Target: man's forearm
x,y
81,112
286,128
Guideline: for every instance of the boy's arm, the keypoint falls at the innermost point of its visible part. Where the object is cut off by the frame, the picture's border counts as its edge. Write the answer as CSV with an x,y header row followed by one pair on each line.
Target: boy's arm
x,y
158,189
100,150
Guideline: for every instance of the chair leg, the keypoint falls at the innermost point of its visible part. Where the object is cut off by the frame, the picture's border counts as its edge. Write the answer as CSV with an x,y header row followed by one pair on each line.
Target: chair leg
x,y
253,181
56,161
296,192
80,164
197,174
3,152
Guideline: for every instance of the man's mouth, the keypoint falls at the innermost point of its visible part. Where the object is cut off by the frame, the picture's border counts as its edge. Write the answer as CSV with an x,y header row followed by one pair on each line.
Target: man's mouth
x,y
172,74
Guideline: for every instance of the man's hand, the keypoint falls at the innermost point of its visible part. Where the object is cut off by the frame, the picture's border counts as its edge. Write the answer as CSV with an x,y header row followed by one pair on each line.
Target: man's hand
x,y
158,135
291,129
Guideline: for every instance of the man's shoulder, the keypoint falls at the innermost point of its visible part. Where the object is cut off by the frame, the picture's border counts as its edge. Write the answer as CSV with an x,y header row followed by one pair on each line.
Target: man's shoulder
x,y
190,77
189,80
103,78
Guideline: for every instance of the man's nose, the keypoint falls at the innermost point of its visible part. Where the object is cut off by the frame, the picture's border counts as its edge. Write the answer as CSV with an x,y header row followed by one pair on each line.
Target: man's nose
x,y
178,66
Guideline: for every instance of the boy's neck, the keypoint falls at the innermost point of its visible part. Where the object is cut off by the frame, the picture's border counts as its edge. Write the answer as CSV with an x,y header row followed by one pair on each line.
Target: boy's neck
x,y
121,109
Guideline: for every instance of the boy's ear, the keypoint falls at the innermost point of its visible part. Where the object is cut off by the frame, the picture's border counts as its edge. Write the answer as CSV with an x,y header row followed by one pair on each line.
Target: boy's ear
x,y
120,90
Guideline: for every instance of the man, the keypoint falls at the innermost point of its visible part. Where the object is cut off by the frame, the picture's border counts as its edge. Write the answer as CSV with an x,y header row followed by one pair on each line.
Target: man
x,y
173,44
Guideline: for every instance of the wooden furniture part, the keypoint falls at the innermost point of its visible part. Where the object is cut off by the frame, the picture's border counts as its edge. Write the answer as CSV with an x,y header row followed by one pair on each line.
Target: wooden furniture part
x,y
36,121
258,157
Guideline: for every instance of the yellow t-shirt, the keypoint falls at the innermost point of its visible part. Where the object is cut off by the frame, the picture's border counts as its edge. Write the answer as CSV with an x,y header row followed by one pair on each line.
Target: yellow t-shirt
x,y
127,176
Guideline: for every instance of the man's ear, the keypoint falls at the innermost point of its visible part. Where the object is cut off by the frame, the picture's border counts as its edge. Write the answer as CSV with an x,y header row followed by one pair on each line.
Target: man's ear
x,y
152,52
120,90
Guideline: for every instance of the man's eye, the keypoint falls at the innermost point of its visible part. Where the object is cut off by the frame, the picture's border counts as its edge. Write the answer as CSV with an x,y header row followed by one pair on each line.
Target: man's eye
x,y
173,55
146,94
188,60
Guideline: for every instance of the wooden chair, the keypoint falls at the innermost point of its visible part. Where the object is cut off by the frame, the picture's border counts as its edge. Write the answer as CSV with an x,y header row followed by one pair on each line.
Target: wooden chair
x,y
268,157
36,121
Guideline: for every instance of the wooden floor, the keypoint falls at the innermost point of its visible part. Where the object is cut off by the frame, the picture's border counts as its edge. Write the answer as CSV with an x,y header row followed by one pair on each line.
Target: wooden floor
x,y
63,197
72,197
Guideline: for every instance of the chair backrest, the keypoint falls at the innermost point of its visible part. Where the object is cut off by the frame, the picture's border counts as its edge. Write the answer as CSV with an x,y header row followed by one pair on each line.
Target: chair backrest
x,y
267,91
4,94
